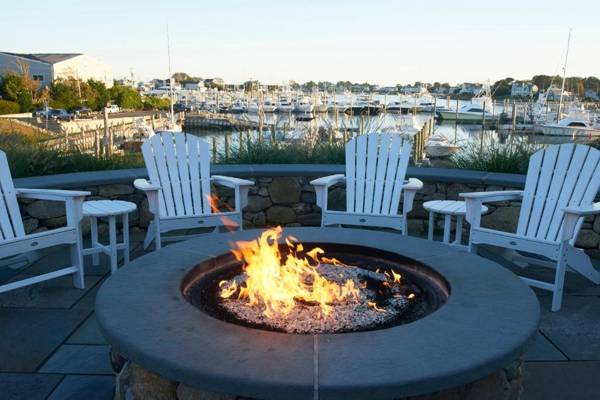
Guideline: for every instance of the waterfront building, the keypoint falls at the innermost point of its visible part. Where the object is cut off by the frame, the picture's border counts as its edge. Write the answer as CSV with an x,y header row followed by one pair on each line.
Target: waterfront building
x,y
523,89
48,67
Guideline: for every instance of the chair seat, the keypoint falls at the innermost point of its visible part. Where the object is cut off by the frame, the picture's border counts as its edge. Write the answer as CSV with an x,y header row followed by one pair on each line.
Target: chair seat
x,y
515,242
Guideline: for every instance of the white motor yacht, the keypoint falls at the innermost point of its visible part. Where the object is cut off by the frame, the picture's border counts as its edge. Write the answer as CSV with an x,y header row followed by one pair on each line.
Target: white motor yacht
x,y
284,105
578,123
268,105
303,105
438,146
238,107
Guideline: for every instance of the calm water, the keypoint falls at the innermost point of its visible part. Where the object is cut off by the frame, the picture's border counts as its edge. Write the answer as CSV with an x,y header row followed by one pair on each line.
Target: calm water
x,y
287,129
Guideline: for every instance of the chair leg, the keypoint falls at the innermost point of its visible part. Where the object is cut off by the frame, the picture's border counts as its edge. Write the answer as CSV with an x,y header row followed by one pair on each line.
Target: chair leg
x,y
157,241
447,226
559,278
149,235
126,239
430,227
77,261
112,236
94,232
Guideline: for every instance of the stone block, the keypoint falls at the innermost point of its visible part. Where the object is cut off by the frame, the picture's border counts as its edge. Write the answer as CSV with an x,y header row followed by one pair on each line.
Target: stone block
x,y
281,215
44,209
53,223
336,199
79,359
118,189
185,392
308,197
503,219
596,225
313,219
30,224
588,239
285,190
137,383
455,188
84,387
258,203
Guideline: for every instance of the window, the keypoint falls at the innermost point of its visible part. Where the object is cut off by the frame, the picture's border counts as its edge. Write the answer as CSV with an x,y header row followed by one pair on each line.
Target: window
x,y
578,124
38,78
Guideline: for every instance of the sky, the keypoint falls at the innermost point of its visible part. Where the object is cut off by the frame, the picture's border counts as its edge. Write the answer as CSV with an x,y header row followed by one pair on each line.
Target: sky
x,y
381,42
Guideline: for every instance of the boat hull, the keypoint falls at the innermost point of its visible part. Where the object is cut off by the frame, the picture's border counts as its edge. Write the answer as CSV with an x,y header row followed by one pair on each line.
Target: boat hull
x,y
572,131
463,116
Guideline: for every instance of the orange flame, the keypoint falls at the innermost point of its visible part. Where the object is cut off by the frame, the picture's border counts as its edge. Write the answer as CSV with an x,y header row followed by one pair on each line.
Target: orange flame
x,y
278,282
213,200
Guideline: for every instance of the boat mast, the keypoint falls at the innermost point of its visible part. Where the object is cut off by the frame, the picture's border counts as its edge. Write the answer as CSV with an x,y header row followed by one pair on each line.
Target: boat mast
x,y
562,89
170,76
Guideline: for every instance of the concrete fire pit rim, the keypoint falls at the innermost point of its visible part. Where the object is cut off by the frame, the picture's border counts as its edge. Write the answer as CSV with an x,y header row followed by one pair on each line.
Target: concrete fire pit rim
x,y
142,313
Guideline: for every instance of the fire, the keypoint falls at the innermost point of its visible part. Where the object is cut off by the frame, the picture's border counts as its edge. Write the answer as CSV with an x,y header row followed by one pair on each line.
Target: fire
x,y
279,282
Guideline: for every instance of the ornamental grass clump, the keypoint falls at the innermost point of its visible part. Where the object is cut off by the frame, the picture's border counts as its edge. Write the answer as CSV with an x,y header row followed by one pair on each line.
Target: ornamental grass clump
x,y
492,156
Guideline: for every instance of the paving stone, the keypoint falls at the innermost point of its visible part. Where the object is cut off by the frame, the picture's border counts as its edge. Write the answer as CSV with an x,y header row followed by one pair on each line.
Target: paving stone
x,y
88,387
88,333
88,301
561,380
54,293
28,336
541,349
27,386
79,359
575,329
60,257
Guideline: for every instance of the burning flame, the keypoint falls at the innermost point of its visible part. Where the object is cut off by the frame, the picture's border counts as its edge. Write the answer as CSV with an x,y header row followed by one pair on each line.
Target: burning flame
x,y
278,282
228,223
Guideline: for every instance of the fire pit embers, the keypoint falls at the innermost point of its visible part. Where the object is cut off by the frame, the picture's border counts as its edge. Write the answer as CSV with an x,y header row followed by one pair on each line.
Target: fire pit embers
x,y
379,300
289,289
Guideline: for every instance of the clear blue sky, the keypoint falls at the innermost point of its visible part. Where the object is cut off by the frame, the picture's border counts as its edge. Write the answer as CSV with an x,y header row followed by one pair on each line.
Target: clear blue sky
x,y
383,42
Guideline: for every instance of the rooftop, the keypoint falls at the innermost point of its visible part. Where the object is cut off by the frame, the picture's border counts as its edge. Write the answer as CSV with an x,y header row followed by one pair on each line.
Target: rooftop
x,y
48,58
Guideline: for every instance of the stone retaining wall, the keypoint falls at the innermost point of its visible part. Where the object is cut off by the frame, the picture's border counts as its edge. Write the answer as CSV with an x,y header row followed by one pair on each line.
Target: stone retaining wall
x,y
290,201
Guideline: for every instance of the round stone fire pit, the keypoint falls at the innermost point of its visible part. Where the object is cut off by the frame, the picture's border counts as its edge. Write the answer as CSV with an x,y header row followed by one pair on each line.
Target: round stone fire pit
x,y
478,319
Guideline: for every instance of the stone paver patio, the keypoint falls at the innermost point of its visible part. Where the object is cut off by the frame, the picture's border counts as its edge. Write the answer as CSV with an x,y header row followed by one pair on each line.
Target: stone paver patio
x,y
50,346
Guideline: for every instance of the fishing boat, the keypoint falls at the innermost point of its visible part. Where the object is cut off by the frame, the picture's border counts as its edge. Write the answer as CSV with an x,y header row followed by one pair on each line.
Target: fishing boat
x,y
479,109
252,108
364,106
303,105
238,107
268,106
438,147
284,105
578,123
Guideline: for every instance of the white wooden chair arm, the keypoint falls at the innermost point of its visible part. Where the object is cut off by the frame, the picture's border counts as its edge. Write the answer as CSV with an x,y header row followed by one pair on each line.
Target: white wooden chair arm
x,y
572,217
322,185
327,181
410,190
489,197
241,187
50,194
229,181
145,186
413,184
585,210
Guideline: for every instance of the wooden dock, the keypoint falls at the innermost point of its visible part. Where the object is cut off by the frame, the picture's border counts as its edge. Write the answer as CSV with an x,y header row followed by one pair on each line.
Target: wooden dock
x,y
210,121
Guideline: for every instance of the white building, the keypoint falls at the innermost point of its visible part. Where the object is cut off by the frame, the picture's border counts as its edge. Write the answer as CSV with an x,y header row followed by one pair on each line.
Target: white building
x,y
48,67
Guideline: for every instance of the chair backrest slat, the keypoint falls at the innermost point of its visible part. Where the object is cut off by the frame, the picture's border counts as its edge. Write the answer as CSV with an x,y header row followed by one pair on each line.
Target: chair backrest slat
x,y
558,176
184,174
375,170
180,164
11,224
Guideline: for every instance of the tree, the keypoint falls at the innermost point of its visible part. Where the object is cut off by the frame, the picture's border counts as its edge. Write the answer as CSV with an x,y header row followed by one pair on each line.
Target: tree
x,y
126,97
97,95
503,87
14,88
63,94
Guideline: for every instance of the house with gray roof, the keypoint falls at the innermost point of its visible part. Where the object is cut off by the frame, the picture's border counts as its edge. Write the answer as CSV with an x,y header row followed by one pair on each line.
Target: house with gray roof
x,y
48,67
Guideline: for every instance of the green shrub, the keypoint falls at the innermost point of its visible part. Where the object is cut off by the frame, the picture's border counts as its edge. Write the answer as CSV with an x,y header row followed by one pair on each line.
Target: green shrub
x,y
9,107
285,153
512,157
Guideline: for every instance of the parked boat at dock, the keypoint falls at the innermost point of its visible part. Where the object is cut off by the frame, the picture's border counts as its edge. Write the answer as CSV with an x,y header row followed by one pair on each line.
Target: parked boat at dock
x,y
576,124
303,105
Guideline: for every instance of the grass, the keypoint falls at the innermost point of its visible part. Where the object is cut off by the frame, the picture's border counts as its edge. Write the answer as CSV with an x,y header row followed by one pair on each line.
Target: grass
x,y
512,157
284,153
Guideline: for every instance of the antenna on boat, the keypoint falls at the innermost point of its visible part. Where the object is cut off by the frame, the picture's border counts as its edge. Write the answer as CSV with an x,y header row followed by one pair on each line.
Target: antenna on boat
x,y
170,76
562,88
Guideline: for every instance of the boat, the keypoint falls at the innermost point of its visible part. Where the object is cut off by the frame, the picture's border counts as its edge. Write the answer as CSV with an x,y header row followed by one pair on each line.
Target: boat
x,y
303,105
578,123
238,107
364,106
474,112
438,147
337,106
305,116
320,106
252,108
268,106
284,105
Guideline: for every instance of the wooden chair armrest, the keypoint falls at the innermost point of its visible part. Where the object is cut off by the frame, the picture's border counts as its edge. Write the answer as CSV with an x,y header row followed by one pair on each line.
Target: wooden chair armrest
x,y
328,180
489,197
144,185
230,182
50,194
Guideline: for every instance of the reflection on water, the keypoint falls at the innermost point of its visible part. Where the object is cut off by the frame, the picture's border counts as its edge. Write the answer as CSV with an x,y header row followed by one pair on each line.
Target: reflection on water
x,y
285,128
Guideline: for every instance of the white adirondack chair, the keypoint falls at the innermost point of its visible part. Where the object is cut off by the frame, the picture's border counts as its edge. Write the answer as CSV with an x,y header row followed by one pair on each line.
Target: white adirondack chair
x,y
562,182
376,167
13,240
178,191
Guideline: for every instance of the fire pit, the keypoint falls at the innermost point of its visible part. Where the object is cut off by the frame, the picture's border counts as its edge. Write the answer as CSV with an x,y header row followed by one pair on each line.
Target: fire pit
x,y
319,313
